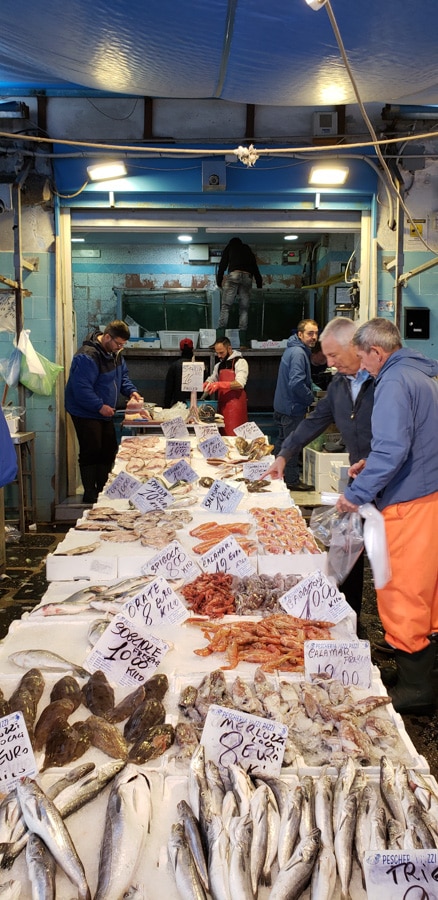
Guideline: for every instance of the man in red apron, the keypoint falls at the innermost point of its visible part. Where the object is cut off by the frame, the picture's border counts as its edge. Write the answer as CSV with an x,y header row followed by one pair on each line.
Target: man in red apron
x,y
228,379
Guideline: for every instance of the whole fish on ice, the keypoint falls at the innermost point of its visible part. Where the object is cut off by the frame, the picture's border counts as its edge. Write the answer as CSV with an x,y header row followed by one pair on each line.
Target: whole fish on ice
x,y
47,661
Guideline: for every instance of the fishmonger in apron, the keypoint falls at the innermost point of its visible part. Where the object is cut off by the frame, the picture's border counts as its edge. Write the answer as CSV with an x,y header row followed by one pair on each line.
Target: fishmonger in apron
x,y
232,404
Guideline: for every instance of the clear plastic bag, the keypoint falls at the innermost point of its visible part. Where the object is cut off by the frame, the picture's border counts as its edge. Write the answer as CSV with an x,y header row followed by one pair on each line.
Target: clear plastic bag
x,y
342,533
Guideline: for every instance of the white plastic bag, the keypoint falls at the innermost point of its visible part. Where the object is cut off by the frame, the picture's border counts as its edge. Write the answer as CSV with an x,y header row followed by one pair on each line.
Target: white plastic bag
x,y
34,364
374,536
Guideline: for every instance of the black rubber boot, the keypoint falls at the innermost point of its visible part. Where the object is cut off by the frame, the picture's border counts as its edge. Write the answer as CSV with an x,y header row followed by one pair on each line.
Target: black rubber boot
x,y
89,483
413,693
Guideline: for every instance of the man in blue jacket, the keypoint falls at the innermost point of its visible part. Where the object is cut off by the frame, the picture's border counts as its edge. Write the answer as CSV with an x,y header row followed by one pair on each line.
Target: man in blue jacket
x,y
293,393
98,374
401,477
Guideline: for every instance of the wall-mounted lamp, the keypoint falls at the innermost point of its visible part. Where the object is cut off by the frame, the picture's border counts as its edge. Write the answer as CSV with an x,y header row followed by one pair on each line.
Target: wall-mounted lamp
x,y
185,238
316,4
326,175
106,170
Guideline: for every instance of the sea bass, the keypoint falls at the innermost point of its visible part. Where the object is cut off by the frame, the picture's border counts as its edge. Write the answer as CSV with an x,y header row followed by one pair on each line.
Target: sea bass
x,y
47,661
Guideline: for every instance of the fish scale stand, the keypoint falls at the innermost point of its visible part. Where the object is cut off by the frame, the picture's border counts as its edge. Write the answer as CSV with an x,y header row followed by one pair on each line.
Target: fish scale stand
x,y
351,778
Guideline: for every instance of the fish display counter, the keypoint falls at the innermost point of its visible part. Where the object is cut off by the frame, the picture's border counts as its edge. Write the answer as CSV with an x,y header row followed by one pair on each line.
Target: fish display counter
x,y
137,791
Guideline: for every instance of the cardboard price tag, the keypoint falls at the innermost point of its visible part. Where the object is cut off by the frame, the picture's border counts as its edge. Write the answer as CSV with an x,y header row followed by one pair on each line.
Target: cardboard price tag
x,y
177,448
205,431
248,431
231,737
315,597
123,486
227,557
172,562
255,470
347,661
16,754
213,447
180,471
175,428
401,874
192,376
152,495
222,498
155,605
127,653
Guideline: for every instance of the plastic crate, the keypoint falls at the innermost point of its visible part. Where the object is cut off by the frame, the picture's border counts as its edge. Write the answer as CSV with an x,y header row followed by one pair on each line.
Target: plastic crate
x,y
317,467
170,339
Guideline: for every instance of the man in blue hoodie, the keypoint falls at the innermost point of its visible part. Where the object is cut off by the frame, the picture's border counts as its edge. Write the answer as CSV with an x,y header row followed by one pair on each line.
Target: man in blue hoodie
x,y
401,476
293,394
97,376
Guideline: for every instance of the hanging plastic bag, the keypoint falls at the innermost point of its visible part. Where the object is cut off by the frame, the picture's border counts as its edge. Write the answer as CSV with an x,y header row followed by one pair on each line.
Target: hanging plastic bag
x,y
375,544
40,383
34,364
342,533
10,368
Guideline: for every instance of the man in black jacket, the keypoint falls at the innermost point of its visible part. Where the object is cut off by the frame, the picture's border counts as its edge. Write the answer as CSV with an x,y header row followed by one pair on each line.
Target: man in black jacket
x,y
242,267
348,404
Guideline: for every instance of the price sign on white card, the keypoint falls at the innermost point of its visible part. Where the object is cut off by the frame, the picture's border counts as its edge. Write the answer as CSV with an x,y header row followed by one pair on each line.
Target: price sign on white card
x,y
222,498
180,471
177,448
249,431
347,661
123,486
232,737
155,605
213,447
204,431
227,557
127,653
175,428
192,376
401,874
172,562
16,754
255,470
315,597
152,495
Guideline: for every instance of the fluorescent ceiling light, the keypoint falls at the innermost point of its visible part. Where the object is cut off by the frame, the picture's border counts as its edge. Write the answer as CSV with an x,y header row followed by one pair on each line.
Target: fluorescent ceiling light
x,y
326,175
105,170
316,4
77,240
291,237
185,238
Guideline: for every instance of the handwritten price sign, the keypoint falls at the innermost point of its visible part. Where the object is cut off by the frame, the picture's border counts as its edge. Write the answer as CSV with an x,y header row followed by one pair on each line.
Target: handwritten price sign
x,y
255,470
222,498
172,562
203,432
180,471
176,448
248,431
155,605
192,376
128,654
175,428
401,875
213,447
16,754
231,737
152,495
315,597
227,557
123,486
347,661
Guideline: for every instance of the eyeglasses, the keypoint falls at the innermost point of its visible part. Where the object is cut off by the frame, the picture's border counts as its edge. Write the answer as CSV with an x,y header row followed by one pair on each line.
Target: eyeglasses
x,y
119,344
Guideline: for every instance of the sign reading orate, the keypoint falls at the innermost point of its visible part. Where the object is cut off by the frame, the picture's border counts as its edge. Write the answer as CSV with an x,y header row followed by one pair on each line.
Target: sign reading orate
x,y
222,498
127,653
347,661
248,431
177,448
227,557
152,495
315,597
401,874
175,428
16,754
155,605
123,486
180,471
232,737
192,376
213,447
172,562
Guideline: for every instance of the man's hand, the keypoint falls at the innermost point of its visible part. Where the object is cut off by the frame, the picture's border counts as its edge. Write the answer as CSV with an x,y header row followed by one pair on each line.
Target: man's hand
x,y
106,411
343,505
137,397
356,468
277,468
211,386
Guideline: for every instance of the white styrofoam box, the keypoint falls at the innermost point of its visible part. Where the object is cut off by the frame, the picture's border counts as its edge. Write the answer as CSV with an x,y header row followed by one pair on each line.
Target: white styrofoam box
x,y
207,337
66,568
153,344
233,336
339,469
316,467
269,345
338,484
292,564
170,339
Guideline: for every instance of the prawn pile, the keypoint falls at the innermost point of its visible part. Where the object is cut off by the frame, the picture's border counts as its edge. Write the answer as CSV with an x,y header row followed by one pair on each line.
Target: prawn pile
x,y
283,531
210,534
210,595
276,642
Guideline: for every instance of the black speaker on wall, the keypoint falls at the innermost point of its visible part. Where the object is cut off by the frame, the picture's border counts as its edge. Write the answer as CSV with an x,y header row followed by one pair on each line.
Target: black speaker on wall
x,y
417,323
